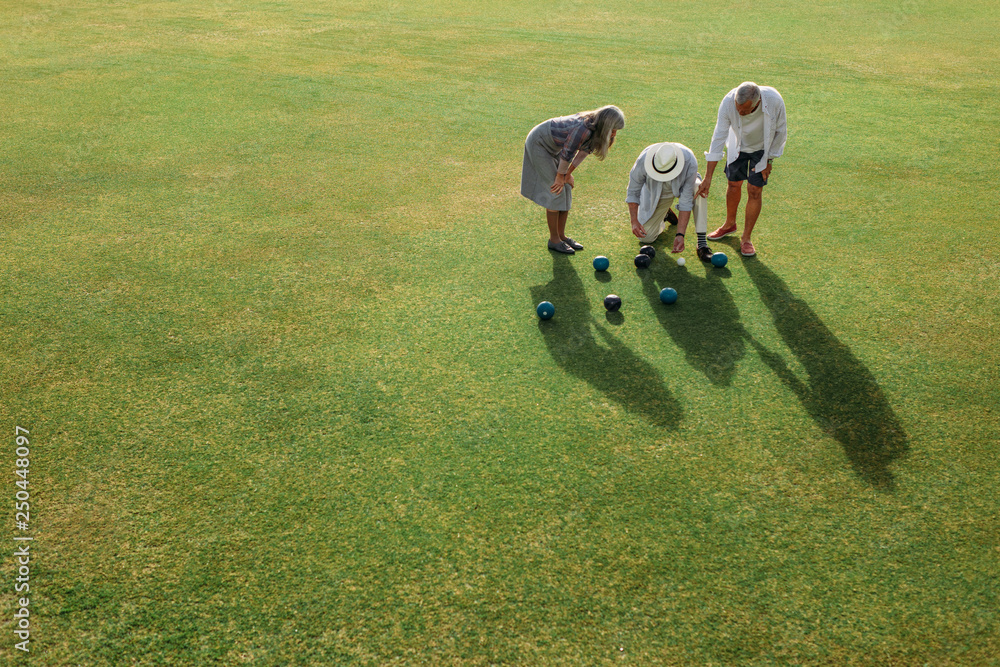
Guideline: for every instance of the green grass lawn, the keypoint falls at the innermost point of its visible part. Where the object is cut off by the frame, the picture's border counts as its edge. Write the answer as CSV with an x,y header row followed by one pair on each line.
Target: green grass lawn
x,y
267,301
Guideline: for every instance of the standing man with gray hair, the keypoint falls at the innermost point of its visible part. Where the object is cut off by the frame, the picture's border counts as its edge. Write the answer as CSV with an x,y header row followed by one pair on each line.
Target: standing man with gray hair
x,y
752,130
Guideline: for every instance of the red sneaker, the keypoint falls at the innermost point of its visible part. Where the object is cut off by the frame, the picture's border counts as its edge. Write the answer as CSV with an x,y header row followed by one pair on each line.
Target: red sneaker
x,y
747,250
721,232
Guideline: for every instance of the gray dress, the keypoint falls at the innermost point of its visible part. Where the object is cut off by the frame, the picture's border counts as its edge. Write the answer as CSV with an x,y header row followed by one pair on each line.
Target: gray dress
x,y
538,173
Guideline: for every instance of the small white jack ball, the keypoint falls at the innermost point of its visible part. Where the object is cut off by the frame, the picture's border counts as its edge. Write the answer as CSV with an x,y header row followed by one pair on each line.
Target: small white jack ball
x,y
680,261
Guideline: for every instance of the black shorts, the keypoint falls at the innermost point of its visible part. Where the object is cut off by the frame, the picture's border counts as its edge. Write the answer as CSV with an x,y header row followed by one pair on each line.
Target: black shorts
x,y
742,169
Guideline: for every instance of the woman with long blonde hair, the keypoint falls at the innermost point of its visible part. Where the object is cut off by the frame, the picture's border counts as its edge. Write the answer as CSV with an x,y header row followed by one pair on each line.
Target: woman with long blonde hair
x,y
552,151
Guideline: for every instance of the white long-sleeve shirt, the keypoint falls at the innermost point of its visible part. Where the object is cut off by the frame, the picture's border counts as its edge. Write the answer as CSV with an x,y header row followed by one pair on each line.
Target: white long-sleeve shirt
x,y
729,125
646,192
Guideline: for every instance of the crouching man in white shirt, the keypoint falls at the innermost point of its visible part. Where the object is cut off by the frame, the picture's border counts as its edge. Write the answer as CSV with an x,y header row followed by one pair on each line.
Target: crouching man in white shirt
x,y
751,128
662,173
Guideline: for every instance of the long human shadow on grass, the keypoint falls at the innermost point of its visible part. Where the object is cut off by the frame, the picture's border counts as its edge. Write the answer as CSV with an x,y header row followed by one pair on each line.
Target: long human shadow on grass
x,y
841,394
600,359
704,322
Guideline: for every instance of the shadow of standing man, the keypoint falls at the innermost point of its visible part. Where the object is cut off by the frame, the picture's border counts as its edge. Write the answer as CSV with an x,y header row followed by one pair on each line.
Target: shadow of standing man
x,y
608,365
841,394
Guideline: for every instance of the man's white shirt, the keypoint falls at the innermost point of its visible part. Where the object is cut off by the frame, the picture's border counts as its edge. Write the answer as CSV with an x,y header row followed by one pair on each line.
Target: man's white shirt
x,y
729,129
752,131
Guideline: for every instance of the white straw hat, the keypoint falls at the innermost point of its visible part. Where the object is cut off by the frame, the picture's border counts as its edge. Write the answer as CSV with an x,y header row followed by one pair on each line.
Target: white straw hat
x,y
665,161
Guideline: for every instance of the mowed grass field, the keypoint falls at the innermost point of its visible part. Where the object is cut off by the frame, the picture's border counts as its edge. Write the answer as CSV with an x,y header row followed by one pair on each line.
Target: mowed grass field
x,y
267,299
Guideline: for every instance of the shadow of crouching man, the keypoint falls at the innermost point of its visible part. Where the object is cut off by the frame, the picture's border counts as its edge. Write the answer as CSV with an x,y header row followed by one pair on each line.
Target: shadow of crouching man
x,y
841,394
705,322
601,360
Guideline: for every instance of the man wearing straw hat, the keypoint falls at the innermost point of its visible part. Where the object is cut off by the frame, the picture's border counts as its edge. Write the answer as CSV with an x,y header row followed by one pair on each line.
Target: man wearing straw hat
x,y
662,173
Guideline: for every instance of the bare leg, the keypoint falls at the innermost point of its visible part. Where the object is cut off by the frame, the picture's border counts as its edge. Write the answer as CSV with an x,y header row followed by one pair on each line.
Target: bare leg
x,y
563,216
552,219
733,194
754,201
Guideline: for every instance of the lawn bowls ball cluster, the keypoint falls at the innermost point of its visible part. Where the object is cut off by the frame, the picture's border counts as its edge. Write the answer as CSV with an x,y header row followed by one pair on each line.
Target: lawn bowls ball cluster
x,y
719,259
643,260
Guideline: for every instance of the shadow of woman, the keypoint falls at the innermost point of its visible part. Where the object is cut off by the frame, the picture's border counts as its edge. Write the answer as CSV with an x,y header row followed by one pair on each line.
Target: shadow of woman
x,y
840,394
704,323
601,360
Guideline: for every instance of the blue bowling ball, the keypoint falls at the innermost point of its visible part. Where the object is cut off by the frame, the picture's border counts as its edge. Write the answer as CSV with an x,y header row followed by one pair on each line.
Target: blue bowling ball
x,y
719,259
668,295
601,263
545,310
